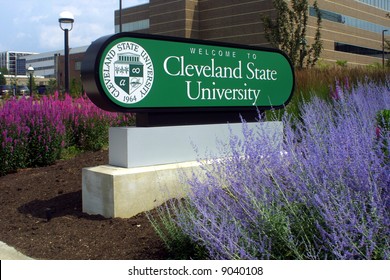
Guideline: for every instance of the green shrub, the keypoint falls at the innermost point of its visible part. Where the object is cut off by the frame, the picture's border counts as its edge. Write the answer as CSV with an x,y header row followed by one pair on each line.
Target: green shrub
x,y
179,245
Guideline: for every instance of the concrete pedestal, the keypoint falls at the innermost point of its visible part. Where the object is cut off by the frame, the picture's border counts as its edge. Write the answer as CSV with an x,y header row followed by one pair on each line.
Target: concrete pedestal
x,y
124,192
148,146
145,165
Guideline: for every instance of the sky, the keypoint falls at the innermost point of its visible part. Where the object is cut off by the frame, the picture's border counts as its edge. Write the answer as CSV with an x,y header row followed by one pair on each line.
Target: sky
x,y
32,25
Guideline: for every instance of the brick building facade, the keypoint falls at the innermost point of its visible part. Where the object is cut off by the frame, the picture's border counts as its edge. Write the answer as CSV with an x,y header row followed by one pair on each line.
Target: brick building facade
x,y
351,29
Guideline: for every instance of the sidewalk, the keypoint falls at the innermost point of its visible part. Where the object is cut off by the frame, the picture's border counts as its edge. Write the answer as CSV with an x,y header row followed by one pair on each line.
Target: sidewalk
x,y
9,253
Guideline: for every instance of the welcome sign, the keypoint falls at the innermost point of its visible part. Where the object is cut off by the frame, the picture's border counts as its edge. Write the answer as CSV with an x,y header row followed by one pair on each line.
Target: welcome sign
x,y
131,72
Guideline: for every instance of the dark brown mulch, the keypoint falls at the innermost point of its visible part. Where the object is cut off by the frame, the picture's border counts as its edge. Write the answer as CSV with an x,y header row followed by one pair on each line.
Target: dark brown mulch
x,y
41,216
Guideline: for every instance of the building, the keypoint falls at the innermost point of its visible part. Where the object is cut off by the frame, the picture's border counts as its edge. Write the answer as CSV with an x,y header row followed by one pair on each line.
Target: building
x,y
231,21
44,64
76,56
50,65
351,29
14,62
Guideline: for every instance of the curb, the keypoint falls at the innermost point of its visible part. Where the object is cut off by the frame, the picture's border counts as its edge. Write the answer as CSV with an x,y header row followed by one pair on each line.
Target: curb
x,y
10,253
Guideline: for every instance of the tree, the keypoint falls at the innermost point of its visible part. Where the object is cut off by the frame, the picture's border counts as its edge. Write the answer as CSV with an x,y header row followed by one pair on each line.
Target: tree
x,y
3,71
287,31
387,45
76,88
387,48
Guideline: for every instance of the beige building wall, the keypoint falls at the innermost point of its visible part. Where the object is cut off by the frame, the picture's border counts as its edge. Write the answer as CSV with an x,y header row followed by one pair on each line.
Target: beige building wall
x,y
233,21
333,32
240,21
168,17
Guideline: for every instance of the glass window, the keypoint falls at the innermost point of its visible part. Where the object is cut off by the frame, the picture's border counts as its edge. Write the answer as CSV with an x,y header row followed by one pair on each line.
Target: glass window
x,y
347,20
341,47
133,26
380,4
77,66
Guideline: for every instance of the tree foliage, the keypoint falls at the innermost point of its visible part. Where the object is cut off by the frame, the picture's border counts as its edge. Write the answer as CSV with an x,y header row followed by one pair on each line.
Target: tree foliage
x,y
287,30
3,71
387,47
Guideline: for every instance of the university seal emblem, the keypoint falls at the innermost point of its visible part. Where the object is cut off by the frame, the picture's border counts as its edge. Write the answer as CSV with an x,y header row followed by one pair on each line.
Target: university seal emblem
x,y
127,72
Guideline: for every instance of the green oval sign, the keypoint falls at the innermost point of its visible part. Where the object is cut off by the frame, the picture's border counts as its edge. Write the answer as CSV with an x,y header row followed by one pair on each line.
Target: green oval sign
x,y
135,72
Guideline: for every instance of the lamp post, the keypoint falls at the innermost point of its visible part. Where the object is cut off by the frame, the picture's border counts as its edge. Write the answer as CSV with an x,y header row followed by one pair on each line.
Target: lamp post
x,y
383,47
120,16
30,71
66,23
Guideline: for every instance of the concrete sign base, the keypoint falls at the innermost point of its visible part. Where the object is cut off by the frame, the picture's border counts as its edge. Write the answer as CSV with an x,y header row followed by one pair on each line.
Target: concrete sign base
x,y
125,192
147,165
148,146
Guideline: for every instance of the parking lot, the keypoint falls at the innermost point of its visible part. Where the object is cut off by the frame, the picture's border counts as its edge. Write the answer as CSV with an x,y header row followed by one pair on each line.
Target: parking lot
x,y
8,91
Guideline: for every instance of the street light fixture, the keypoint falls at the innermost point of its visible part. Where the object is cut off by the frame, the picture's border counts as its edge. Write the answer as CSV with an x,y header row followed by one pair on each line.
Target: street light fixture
x,y
30,71
66,24
383,47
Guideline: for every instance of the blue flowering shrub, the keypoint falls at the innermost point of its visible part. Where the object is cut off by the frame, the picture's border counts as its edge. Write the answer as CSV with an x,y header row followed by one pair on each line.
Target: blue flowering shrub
x,y
323,194
383,131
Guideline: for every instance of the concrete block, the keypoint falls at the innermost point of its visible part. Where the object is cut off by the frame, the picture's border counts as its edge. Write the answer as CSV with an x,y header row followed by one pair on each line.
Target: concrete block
x,y
124,192
148,146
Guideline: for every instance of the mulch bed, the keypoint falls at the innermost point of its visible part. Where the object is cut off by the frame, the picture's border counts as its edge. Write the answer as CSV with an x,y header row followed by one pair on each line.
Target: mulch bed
x,y
41,216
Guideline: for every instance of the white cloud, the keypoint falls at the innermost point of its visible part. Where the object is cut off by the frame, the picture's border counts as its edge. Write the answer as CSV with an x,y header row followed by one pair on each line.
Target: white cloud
x,y
36,19
51,38
88,33
22,35
33,25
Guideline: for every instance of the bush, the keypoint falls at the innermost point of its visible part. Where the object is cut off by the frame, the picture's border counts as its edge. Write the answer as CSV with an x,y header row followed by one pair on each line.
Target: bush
x,y
47,131
383,131
383,120
87,125
318,82
13,140
326,196
179,245
34,132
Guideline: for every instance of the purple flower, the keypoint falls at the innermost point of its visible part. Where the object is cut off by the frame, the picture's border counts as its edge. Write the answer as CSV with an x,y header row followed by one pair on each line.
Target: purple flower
x,y
327,197
48,125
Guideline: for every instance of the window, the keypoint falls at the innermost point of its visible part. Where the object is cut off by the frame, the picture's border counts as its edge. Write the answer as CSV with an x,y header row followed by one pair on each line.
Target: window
x,y
380,4
341,47
349,21
133,26
77,66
